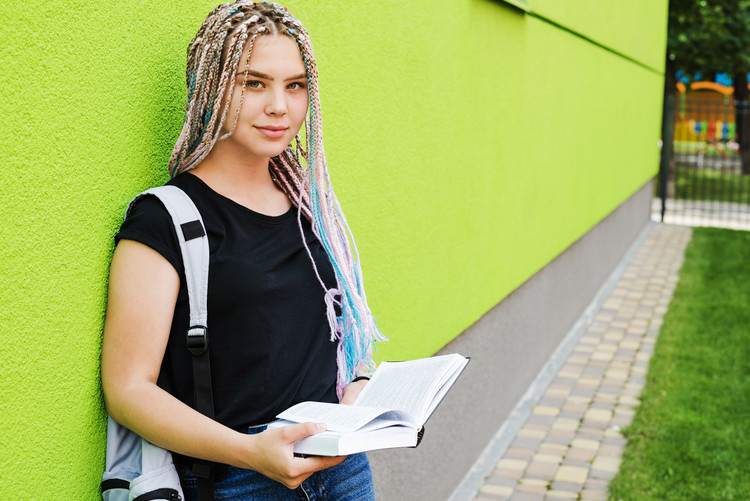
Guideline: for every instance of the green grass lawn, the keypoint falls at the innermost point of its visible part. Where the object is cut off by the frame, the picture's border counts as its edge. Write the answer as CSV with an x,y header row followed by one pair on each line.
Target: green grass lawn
x,y
690,438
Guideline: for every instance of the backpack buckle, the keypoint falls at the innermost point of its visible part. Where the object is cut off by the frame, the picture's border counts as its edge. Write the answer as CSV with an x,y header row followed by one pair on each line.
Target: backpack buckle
x,y
197,340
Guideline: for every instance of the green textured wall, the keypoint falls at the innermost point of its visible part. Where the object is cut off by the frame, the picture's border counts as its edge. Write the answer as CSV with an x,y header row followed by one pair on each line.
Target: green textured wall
x,y
469,143
633,28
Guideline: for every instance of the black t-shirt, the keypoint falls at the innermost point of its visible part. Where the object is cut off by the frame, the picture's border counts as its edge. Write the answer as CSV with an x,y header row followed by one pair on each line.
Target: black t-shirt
x,y
269,339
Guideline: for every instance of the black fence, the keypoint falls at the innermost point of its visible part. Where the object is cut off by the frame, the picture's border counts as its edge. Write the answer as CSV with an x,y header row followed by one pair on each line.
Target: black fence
x,y
702,181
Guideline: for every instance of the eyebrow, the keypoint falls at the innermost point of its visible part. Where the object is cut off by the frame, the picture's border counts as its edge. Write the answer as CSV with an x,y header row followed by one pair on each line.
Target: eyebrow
x,y
265,76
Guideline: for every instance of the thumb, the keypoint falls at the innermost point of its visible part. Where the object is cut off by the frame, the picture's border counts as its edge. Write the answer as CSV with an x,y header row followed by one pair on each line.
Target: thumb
x,y
300,431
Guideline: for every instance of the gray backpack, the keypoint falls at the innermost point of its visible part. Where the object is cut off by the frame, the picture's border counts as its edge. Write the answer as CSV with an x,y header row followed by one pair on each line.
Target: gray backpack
x,y
137,470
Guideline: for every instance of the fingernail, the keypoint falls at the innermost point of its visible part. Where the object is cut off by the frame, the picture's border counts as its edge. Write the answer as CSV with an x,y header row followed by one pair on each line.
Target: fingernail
x,y
320,427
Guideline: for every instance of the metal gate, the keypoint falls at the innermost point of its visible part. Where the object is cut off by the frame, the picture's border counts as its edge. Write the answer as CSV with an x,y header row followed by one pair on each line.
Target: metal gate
x,y
701,180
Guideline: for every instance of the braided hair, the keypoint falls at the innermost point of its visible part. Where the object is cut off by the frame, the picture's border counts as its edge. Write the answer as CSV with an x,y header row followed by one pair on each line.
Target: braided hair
x,y
301,172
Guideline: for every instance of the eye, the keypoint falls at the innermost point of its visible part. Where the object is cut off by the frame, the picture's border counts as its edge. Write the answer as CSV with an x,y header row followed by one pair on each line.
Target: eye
x,y
253,84
297,85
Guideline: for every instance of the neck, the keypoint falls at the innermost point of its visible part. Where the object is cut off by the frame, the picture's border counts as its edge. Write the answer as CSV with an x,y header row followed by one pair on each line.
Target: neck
x,y
242,178
228,166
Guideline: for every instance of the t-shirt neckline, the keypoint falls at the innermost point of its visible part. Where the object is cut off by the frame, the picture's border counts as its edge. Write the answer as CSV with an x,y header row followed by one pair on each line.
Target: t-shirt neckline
x,y
247,211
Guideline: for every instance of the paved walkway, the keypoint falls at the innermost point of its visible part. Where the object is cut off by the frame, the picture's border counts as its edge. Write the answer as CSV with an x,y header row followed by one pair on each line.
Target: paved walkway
x,y
570,446
703,213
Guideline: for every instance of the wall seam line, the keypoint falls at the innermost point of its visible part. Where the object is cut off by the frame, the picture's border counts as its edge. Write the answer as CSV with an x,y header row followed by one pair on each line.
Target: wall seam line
x,y
594,42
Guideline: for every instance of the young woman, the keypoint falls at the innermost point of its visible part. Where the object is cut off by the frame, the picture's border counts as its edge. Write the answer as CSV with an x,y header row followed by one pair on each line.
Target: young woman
x,y
288,319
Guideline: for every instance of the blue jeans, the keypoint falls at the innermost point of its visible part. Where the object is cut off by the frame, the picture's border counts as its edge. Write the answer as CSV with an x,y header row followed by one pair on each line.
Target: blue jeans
x,y
350,481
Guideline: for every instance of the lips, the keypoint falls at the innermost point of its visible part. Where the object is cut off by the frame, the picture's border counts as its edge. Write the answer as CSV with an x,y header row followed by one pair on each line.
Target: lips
x,y
272,131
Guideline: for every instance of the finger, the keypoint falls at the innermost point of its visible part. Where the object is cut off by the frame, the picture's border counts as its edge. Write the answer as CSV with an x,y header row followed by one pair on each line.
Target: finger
x,y
316,463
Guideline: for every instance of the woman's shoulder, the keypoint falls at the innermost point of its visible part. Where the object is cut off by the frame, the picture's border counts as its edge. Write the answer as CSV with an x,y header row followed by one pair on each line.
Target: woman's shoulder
x,y
149,223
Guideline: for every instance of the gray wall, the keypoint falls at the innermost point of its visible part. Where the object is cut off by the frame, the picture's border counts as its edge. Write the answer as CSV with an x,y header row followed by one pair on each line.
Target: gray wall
x,y
508,347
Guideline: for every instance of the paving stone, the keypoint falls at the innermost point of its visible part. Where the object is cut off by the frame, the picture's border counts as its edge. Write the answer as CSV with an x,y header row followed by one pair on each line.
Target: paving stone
x,y
597,363
558,485
577,359
551,402
598,404
499,490
602,415
587,382
594,371
535,481
621,421
575,474
540,420
506,473
592,431
512,464
508,482
526,496
576,407
584,443
519,453
628,400
589,495
605,463
630,345
560,436
546,411
616,374
603,356
526,443
614,438
539,470
553,392
531,433
575,462
548,458
596,484
577,454
532,489
552,448
604,475
577,415
561,495
582,392
535,426
565,424
575,399
609,450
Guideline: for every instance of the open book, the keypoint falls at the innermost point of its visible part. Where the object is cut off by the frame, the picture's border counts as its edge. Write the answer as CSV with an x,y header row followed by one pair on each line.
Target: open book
x,y
388,413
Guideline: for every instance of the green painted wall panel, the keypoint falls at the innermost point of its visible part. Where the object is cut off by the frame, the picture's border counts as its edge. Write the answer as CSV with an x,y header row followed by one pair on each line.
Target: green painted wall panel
x,y
633,28
470,144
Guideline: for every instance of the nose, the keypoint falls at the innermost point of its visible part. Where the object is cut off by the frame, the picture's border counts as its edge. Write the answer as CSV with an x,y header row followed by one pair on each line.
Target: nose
x,y
276,104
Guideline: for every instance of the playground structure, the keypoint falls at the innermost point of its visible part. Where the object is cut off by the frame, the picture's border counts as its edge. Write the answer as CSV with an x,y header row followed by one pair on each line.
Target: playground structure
x,y
705,125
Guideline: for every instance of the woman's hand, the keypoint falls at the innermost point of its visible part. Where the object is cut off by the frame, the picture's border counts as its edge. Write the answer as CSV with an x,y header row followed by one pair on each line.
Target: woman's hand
x,y
272,454
352,390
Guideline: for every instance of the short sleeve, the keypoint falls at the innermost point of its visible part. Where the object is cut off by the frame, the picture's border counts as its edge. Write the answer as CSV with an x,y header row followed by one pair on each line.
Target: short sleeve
x,y
149,223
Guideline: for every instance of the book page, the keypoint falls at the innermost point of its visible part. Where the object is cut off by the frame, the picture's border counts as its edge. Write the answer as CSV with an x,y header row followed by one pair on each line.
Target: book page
x,y
409,386
342,418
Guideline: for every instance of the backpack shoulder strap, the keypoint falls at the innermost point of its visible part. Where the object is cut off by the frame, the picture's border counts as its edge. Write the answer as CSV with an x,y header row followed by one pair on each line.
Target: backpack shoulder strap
x,y
191,235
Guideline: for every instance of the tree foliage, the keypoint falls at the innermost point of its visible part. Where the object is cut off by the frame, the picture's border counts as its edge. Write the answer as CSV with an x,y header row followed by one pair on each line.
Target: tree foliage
x,y
709,36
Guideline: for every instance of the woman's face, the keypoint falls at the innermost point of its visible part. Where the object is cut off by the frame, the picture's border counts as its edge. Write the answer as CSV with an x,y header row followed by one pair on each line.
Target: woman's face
x,y
275,102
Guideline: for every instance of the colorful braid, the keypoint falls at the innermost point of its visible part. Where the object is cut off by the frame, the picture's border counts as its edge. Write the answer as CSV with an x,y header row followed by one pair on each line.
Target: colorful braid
x,y
213,59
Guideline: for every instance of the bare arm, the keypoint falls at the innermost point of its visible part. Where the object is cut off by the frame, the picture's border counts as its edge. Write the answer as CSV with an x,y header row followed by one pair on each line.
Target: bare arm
x,y
142,295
